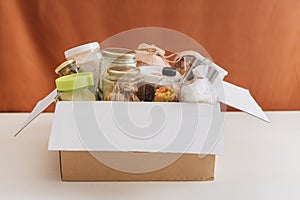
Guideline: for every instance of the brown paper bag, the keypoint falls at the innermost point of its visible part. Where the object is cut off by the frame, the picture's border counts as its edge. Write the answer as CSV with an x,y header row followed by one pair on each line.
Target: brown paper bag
x,y
150,55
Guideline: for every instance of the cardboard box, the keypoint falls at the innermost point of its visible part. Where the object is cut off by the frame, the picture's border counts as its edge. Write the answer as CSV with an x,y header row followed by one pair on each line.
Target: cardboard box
x,y
97,142
82,129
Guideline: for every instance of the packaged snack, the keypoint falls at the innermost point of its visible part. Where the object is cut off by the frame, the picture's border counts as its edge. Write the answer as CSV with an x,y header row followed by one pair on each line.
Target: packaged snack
x,y
167,90
184,63
198,90
165,94
195,59
152,78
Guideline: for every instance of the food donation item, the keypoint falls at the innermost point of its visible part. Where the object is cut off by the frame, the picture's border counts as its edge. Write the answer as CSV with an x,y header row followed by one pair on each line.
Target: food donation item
x,y
198,90
115,57
167,90
66,68
75,87
184,63
152,77
87,57
121,83
165,94
120,57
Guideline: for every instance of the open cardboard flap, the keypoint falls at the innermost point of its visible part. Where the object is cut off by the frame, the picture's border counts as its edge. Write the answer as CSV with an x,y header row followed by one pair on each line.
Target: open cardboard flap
x,y
241,99
38,109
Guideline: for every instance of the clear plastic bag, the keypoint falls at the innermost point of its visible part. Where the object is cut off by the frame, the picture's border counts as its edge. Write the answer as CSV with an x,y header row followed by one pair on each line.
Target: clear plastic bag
x,y
199,89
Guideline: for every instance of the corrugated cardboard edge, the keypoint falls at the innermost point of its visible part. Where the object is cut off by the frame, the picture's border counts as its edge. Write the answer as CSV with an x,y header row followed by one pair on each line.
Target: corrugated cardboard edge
x,y
60,165
82,166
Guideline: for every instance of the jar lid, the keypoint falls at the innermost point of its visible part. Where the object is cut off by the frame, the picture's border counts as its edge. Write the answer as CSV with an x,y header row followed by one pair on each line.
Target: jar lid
x,y
74,81
118,53
168,71
124,72
80,49
64,65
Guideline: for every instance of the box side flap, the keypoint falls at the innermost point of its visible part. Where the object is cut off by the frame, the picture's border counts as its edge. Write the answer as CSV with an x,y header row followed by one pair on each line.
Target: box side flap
x,y
144,127
241,99
38,109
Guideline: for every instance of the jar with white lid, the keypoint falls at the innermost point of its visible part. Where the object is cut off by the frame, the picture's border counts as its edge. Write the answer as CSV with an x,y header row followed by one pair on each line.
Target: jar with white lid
x,y
88,58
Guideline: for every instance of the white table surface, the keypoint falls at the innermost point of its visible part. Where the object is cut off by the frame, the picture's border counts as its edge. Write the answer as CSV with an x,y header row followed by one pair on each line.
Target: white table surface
x,y
261,161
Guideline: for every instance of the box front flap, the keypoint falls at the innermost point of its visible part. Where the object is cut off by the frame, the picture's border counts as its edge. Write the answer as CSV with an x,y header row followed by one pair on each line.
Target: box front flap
x,y
144,127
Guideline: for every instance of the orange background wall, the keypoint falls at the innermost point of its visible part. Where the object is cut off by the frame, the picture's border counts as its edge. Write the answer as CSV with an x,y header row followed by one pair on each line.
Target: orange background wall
x,y
257,41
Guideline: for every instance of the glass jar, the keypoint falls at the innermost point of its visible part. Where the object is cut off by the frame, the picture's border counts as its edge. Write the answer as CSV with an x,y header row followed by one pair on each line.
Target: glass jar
x,y
121,83
75,87
167,90
88,57
117,57
66,68
116,62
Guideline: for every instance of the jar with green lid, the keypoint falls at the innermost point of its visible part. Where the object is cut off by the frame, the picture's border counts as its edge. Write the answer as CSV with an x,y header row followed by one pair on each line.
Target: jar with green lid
x,y
121,83
75,87
66,68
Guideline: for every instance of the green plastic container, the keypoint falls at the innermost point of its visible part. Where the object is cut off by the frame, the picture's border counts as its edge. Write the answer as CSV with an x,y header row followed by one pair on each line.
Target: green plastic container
x,y
75,87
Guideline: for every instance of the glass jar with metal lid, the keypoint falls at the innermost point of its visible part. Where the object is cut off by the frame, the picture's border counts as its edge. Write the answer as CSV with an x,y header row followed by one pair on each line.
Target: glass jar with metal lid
x,y
117,57
75,87
66,68
115,63
121,83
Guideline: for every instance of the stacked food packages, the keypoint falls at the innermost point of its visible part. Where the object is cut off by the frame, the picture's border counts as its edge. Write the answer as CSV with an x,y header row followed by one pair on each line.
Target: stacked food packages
x,y
145,74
